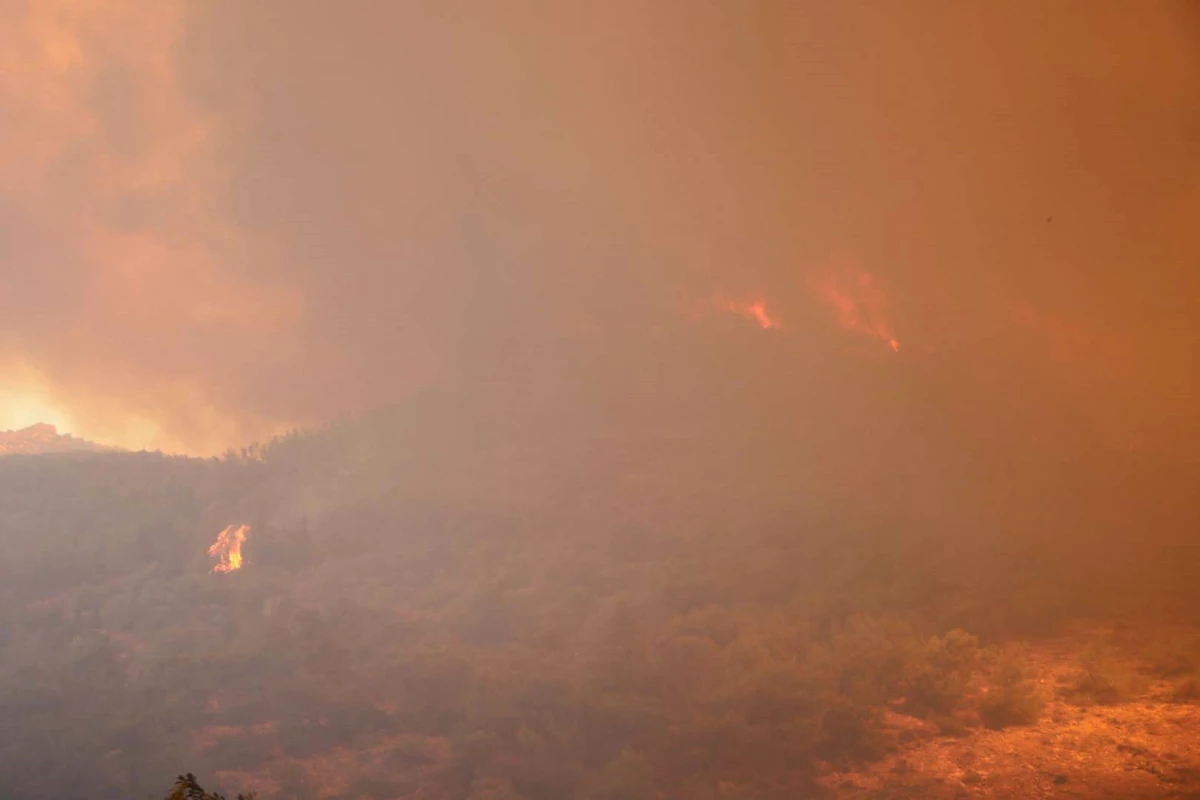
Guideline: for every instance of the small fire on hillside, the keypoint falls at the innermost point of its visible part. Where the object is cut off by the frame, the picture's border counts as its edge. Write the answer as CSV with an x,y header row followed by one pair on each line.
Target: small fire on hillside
x,y
859,303
227,549
753,310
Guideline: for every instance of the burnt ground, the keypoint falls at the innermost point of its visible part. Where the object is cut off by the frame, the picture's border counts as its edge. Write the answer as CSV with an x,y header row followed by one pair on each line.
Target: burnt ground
x,y
1146,746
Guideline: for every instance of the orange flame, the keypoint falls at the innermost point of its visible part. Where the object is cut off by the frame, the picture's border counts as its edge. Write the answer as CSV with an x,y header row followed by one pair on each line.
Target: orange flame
x,y
228,548
860,304
755,311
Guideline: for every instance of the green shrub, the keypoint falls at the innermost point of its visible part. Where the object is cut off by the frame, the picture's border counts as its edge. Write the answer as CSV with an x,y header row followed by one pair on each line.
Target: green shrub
x,y
869,658
1014,700
940,675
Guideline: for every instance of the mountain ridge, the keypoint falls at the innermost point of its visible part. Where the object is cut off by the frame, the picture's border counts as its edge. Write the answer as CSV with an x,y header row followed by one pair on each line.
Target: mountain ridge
x,y
43,438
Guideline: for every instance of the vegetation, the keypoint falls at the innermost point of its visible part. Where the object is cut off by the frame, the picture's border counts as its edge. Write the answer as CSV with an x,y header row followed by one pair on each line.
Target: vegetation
x,y
413,619
1174,656
1103,678
1015,699
187,788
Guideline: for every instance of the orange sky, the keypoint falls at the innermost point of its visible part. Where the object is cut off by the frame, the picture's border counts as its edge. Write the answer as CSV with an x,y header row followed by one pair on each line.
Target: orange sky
x,y
222,219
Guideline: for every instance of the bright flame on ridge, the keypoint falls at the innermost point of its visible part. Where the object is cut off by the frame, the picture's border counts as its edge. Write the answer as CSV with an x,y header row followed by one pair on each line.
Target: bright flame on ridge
x,y
228,548
755,311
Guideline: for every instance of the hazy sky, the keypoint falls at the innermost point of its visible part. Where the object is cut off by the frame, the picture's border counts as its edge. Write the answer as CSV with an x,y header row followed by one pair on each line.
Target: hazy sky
x,y
219,219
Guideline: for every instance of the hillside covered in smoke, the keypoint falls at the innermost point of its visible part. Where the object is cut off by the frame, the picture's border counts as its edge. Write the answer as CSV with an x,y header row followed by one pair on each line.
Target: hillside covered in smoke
x,y
459,600
43,438
654,399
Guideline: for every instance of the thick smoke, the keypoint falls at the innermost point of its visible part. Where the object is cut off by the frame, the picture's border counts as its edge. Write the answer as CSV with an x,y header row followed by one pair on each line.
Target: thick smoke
x,y
223,219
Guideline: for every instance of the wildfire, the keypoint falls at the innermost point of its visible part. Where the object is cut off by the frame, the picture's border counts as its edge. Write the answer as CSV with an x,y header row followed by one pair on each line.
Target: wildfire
x,y
227,549
859,303
755,311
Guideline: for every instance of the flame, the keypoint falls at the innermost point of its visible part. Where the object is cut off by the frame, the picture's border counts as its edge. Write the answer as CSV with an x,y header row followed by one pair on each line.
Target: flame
x,y
228,548
860,304
755,311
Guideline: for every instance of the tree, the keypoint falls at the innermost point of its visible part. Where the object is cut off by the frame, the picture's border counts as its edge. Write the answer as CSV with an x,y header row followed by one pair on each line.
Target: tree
x,y
186,788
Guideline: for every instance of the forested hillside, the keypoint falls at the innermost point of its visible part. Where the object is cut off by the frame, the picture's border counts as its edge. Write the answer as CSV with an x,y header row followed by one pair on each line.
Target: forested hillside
x,y
427,612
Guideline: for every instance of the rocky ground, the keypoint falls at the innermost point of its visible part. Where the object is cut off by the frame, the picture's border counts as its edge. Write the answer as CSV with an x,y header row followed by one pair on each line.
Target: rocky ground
x,y
1146,746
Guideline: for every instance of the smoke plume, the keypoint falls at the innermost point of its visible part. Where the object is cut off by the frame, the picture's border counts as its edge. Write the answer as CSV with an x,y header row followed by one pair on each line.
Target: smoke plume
x,y
224,219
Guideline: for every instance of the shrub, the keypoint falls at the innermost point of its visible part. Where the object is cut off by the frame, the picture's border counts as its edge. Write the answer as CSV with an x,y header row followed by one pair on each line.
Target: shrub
x,y
940,675
1014,700
186,788
869,658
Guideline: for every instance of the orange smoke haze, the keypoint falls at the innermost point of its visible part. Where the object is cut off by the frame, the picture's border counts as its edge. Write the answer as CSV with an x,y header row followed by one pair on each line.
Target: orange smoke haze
x,y
221,220
1066,341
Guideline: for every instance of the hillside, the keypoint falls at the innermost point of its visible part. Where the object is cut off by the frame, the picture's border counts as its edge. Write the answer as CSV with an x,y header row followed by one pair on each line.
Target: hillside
x,y
44,438
423,611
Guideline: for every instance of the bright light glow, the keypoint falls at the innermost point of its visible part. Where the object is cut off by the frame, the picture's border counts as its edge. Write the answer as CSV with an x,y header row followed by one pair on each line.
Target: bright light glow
x,y
20,409
227,549
754,310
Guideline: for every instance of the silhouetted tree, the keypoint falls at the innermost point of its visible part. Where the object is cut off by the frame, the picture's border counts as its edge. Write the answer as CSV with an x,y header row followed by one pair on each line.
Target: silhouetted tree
x,y
186,788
